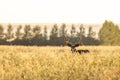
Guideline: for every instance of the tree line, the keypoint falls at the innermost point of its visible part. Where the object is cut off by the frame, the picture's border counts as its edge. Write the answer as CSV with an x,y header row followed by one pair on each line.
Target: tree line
x,y
28,35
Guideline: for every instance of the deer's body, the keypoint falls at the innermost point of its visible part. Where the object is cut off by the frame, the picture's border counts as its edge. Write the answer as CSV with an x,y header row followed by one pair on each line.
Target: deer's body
x,y
82,51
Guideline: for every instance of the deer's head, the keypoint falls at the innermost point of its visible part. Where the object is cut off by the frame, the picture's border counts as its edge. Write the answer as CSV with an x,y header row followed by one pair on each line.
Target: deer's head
x,y
73,46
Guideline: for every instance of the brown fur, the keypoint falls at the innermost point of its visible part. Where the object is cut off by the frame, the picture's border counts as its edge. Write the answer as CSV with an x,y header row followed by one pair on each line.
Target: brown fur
x,y
83,51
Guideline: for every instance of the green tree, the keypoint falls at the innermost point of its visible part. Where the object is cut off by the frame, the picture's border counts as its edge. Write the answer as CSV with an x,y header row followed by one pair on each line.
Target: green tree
x,y
73,31
19,35
90,39
37,31
28,35
27,32
54,31
62,31
81,34
45,33
109,34
90,32
54,35
10,34
82,30
1,32
2,35
37,39
62,34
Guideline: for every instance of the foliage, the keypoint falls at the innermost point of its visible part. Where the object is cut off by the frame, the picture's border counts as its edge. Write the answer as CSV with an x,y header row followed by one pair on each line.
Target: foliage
x,y
27,32
9,34
45,33
73,31
62,31
34,35
58,63
54,35
91,33
109,34
1,29
1,32
19,35
90,40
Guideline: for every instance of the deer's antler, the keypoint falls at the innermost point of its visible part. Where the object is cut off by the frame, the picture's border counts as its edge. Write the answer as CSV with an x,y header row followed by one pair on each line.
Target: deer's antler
x,y
76,45
67,41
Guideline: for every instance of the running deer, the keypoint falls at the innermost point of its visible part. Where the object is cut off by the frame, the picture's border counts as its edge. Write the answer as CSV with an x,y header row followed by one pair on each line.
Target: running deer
x,y
73,46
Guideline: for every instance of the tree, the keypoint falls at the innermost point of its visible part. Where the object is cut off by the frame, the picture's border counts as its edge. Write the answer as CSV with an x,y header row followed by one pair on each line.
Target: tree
x,y
81,34
73,31
27,32
2,35
1,32
37,31
45,37
19,35
45,33
54,35
90,39
37,39
54,31
19,40
28,35
10,34
62,31
82,30
62,34
91,34
109,34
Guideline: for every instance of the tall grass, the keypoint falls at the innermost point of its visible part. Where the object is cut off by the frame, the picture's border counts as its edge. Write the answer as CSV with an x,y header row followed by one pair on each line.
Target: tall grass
x,y
58,63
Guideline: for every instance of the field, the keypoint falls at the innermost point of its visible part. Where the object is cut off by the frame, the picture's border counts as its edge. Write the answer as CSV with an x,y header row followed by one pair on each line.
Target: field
x,y
58,63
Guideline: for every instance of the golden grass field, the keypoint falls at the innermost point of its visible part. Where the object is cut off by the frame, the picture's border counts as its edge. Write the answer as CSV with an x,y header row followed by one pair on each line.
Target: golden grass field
x,y
58,63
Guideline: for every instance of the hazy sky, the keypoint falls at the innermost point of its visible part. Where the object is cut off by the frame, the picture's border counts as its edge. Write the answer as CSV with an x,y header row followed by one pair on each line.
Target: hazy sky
x,y
59,11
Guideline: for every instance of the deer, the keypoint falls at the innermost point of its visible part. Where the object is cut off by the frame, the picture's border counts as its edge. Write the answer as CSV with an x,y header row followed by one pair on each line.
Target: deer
x,y
73,46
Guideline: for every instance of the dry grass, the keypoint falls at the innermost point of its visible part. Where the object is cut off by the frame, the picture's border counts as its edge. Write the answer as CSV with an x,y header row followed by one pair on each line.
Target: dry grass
x,y
58,63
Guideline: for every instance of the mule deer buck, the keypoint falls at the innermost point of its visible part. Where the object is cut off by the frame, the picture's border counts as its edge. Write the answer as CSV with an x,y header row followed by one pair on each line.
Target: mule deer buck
x,y
73,46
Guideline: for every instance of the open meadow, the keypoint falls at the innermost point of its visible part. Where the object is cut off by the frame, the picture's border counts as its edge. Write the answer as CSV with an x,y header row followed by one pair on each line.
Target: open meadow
x,y
58,63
